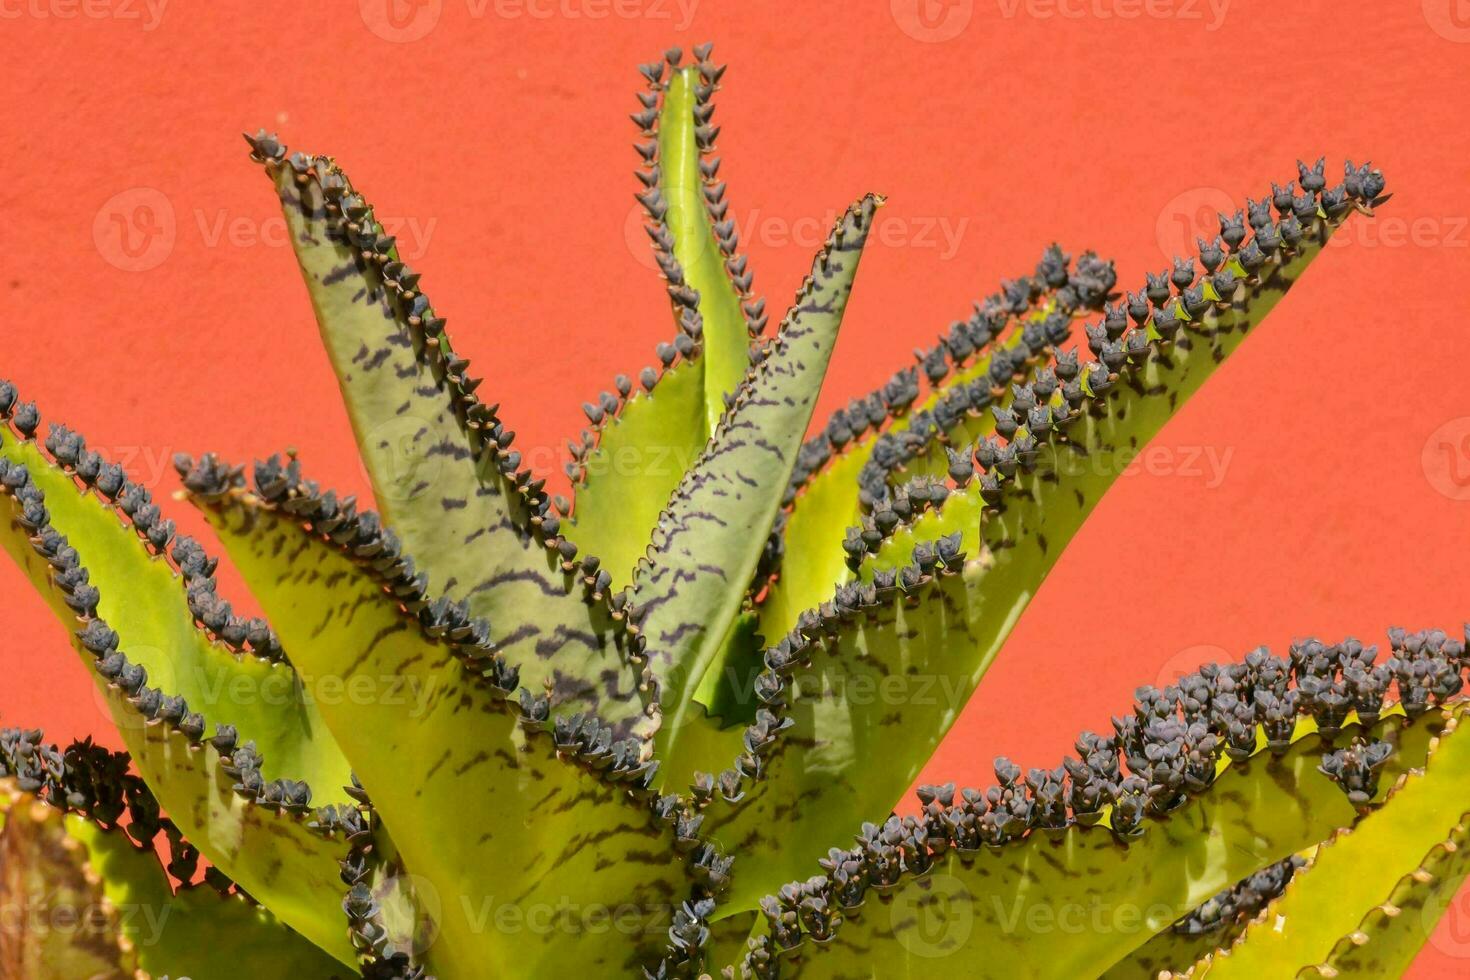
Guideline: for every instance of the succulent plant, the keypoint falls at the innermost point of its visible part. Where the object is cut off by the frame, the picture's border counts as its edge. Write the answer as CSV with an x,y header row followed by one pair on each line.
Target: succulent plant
x,y
484,730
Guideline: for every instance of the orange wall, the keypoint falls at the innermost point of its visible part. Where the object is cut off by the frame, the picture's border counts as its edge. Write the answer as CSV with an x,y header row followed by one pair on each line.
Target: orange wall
x,y
1305,491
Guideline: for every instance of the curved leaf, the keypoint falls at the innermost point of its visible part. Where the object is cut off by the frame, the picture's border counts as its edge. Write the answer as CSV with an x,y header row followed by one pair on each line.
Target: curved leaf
x,y
813,561
641,455
879,438
863,714
682,138
1013,539
710,538
216,792
438,458
1080,895
647,440
144,600
495,827
1340,906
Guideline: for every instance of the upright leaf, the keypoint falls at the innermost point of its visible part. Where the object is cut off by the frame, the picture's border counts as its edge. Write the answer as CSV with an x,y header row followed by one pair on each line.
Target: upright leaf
x,y
866,684
439,458
711,536
852,718
684,136
549,837
623,483
893,433
643,441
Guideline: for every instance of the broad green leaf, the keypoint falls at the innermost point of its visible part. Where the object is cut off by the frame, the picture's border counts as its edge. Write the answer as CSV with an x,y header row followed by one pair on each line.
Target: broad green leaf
x,y
191,931
143,599
279,858
1176,948
813,562
1045,507
866,714
1390,936
726,339
274,855
437,458
641,455
1329,906
1011,550
1076,903
643,450
710,538
523,854
1027,536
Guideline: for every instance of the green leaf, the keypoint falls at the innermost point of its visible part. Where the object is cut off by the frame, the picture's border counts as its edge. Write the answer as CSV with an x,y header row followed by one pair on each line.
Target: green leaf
x,y
1074,902
1011,549
554,846
825,502
641,455
958,627
281,859
275,855
726,339
710,538
1388,939
143,599
1342,904
644,447
866,711
1076,468
813,561
438,458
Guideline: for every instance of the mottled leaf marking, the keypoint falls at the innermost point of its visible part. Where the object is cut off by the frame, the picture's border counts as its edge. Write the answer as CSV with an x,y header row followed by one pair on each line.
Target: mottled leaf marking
x,y
439,458
549,831
1335,906
710,537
